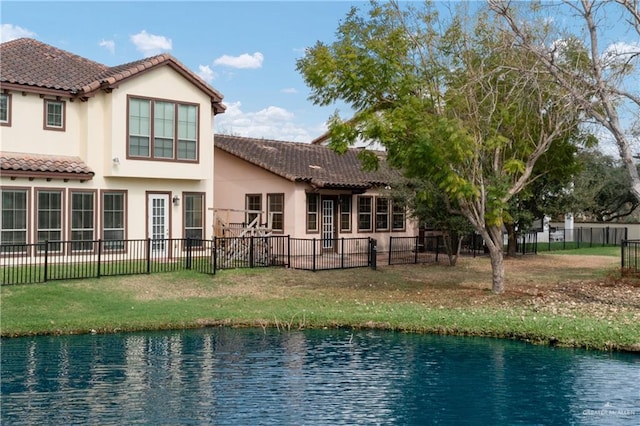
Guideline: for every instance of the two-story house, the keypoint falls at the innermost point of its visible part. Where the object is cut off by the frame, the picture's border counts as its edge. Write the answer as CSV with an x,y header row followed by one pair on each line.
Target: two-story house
x,y
93,152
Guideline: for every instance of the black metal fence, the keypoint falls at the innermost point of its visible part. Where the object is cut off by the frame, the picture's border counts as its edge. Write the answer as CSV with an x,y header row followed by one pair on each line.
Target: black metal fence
x,y
65,260
565,239
526,243
311,254
630,257
336,253
405,250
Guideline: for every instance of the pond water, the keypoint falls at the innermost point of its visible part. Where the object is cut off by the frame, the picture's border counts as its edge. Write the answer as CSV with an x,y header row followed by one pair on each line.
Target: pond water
x,y
229,376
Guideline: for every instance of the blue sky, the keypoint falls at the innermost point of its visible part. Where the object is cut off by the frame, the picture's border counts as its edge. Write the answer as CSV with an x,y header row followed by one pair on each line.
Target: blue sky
x,y
245,50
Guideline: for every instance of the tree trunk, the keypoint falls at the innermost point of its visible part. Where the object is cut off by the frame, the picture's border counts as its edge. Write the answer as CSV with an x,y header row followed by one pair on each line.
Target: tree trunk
x,y
448,244
494,244
512,241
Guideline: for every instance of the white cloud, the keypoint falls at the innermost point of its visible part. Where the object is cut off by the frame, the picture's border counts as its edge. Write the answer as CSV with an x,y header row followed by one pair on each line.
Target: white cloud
x,y
206,73
290,90
243,61
110,45
151,44
620,52
271,122
10,32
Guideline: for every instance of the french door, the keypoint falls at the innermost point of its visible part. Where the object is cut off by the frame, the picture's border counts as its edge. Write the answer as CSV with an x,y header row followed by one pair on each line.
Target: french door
x,y
158,222
328,226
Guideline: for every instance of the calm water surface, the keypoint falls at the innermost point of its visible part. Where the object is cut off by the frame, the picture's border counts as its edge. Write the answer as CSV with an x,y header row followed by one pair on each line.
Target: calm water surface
x,y
248,376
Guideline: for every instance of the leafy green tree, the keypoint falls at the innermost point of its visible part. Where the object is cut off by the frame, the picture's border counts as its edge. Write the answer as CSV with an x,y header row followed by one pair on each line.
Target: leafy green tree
x,y
429,206
449,101
553,173
602,190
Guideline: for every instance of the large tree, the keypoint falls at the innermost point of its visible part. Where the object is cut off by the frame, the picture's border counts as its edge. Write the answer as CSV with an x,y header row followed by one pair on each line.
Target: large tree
x,y
447,97
601,75
602,189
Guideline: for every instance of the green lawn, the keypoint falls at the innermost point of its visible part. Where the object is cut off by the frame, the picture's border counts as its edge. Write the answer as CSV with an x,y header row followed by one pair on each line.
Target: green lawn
x,y
417,298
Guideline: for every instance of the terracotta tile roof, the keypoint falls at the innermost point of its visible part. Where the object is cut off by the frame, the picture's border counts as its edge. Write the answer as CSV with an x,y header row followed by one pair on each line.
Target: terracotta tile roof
x,y
49,166
316,164
32,64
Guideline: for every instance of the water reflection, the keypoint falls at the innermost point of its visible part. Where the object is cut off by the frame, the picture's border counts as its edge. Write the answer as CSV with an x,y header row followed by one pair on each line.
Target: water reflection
x,y
246,376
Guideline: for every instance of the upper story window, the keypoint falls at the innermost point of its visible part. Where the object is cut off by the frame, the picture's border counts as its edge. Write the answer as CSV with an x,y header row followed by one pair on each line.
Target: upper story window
x,y
5,109
162,130
54,115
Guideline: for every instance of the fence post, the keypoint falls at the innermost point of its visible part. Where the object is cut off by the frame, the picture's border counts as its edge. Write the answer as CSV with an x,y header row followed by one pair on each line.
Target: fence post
x,y
289,251
188,243
313,251
623,244
214,254
438,247
390,249
99,258
342,253
251,251
417,247
46,259
148,255
373,252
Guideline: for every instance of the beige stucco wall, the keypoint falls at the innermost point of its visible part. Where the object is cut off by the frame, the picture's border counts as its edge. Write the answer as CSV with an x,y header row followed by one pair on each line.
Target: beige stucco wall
x,y
96,132
234,178
26,133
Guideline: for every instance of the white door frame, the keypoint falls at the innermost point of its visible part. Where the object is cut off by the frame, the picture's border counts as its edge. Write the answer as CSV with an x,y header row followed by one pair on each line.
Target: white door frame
x,y
158,222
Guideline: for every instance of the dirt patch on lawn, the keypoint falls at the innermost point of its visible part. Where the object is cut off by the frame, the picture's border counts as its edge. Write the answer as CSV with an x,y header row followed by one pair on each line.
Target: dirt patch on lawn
x,y
560,284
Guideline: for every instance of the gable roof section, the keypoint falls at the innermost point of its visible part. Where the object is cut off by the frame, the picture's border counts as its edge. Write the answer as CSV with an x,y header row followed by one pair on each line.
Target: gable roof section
x,y
15,164
30,65
301,162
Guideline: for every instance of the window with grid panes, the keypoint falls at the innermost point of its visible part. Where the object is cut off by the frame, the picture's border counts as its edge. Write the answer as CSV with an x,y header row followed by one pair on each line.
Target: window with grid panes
x,y
82,221
113,220
49,219
194,218
275,211
312,212
13,226
365,213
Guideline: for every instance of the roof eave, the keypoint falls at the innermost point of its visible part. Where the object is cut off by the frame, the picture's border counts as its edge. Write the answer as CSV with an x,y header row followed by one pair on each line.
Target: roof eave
x,y
29,88
33,174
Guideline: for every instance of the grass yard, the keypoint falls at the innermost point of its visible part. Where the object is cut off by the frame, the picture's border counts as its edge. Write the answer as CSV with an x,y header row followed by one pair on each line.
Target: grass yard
x,y
559,299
